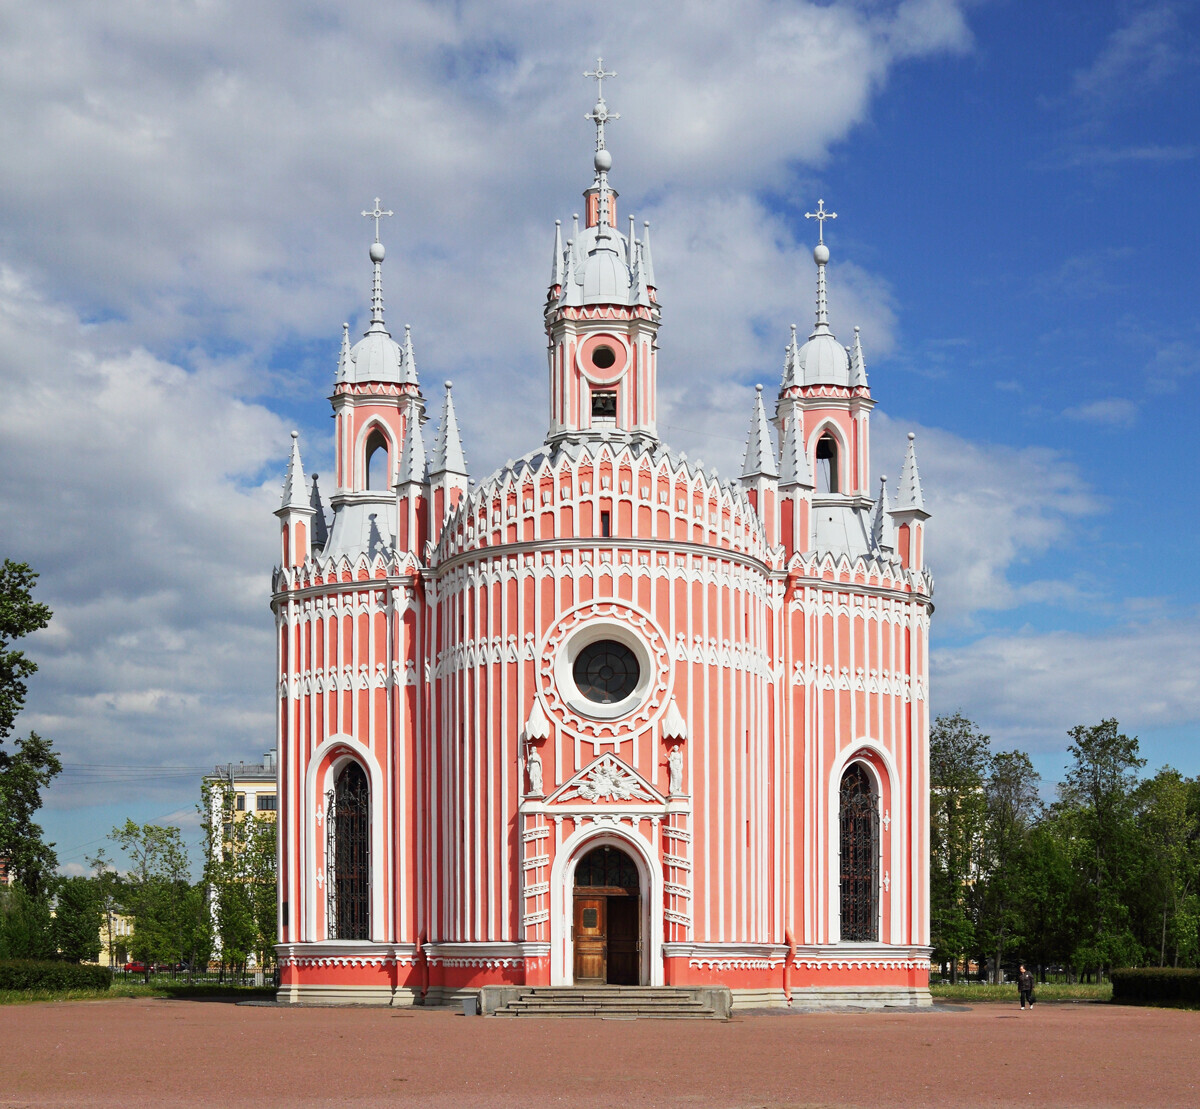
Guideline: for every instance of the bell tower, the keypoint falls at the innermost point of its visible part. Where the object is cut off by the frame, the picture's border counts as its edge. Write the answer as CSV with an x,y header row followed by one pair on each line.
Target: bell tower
x,y
602,313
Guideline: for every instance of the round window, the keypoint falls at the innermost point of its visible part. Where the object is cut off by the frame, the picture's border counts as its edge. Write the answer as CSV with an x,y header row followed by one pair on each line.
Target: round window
x,y
603,358
606,672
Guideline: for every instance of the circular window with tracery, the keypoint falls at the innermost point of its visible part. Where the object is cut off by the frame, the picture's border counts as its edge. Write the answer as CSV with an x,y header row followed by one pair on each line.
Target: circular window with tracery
x,y
606,671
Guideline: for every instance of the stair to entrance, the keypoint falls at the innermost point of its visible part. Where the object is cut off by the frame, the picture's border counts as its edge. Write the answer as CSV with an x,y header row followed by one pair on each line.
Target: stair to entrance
x,y
615,1002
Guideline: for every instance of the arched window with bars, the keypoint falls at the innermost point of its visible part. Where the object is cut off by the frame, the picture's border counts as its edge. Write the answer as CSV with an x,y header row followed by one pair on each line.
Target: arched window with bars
x,y
860,846
348,855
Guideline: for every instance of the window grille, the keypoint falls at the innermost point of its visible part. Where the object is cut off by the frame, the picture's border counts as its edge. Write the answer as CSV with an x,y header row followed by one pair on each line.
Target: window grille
x,y
348,855
859,812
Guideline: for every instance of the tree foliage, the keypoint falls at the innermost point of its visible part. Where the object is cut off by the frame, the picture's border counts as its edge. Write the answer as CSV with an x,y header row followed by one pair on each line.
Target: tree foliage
x,y
171,922
19,615
1106,876
77,919
242,877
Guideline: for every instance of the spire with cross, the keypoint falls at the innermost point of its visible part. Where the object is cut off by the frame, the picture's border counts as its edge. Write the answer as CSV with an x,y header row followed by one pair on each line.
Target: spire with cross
x,y
821,256
600,115
377,254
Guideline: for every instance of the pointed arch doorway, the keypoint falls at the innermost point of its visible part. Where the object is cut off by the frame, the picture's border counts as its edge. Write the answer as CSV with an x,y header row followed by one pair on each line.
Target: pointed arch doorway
x,y
607,919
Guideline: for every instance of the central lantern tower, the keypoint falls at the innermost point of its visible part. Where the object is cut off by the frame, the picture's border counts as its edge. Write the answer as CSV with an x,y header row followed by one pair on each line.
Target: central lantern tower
x,y
603,718
602,314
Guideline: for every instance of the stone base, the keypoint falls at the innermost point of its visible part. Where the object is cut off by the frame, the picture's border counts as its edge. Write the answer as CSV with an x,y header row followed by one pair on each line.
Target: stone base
x,y
861,997
769,997
310,994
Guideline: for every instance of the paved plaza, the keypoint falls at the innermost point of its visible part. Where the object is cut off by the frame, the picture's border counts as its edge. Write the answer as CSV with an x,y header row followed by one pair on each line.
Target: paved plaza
x,y
159,1052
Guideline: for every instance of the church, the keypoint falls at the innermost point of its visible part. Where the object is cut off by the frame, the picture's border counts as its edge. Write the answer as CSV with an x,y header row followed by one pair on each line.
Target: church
x,y
601,717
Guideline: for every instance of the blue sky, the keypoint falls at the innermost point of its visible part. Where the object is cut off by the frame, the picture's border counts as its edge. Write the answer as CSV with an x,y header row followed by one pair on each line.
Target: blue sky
x,y
180,242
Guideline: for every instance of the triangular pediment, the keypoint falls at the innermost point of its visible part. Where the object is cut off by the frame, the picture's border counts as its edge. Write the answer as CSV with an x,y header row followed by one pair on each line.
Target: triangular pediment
x,y
607,780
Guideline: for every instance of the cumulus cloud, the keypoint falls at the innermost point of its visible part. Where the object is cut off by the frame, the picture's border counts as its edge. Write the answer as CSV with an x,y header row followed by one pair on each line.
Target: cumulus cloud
x,y
181,233
134,486
1027,689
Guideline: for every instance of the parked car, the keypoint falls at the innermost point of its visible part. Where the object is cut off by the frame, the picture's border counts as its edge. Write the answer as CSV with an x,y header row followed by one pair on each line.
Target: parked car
x,y
135,968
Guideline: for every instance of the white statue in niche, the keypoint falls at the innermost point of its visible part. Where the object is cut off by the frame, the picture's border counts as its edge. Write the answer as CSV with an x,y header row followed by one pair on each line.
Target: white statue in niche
x,y
675,770
533,766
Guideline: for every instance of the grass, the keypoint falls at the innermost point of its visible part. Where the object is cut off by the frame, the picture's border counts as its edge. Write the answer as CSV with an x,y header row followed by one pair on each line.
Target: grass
x,y
1051,991
140,989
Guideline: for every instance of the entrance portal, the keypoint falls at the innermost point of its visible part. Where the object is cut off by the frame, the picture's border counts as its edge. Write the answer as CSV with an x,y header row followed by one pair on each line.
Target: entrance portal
x,y
608,917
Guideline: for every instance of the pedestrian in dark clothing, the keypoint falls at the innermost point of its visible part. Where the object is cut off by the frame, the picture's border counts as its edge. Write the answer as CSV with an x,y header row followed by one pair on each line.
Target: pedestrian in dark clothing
x,y
1025,987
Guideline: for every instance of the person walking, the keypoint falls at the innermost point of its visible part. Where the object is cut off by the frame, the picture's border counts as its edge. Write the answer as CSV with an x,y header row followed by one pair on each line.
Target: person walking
x,y
1025,987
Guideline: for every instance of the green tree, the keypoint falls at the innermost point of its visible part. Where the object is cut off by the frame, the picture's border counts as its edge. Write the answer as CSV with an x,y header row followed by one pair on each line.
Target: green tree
x,y
25,772
1099,789
1049,925
19,615
170,919
242,877
958,764
1011,806
108,885
77,919
25,925
1168,822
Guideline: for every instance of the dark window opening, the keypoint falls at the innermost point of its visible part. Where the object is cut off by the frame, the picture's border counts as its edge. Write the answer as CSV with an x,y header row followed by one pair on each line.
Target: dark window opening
x,y
348,855
607,867
241,802
377,460
605,524
604,405
859,818
266,802
603,358
827,465
606,672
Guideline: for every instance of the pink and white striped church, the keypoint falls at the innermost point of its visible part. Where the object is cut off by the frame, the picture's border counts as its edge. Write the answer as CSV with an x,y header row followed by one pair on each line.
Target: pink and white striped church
x,y
601,717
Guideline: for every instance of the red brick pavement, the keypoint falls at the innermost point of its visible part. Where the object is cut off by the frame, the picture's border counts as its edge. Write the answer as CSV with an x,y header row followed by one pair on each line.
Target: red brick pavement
x,y
165,1053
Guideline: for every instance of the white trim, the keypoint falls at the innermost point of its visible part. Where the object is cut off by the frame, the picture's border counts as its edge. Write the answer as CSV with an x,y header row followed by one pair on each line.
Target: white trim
x,y
314,797
562,909
359,460
833,835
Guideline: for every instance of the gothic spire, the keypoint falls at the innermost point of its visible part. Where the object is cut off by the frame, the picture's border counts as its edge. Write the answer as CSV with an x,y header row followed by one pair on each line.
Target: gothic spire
x,y
882,529
320,532
793,463
600,115
413,465
557,275
909,495
295,495
760,452
858,366
447,447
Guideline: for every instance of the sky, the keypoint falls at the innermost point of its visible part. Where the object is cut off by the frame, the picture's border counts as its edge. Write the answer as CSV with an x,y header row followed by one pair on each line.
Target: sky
x,y
180,242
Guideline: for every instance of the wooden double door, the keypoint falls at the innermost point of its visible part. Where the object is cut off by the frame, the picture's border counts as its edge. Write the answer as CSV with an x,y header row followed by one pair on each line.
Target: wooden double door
x,y
607,937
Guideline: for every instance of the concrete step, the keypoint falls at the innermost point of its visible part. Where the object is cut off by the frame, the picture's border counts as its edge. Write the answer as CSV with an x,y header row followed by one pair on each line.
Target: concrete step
x,y
609,1002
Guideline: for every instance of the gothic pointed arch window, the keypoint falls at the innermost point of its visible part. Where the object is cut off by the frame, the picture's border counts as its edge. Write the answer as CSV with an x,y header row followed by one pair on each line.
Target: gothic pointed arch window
x,y
859,826
827,465
348,855
376,460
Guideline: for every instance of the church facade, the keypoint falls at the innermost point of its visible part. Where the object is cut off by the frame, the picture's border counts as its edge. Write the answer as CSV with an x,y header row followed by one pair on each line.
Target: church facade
x,y
602,717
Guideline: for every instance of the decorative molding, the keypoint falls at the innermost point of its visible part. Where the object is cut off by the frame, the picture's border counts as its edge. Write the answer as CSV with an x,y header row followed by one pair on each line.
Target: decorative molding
x,y
607,779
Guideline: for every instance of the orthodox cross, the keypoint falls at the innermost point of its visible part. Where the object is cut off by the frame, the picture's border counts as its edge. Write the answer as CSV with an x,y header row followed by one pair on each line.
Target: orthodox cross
x,y
376,215
599,74
600,114
820,215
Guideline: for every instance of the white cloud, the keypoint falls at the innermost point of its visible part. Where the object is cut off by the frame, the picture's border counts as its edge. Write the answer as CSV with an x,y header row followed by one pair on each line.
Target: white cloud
x,y
1142,52
1111,411
994,509
1027,689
